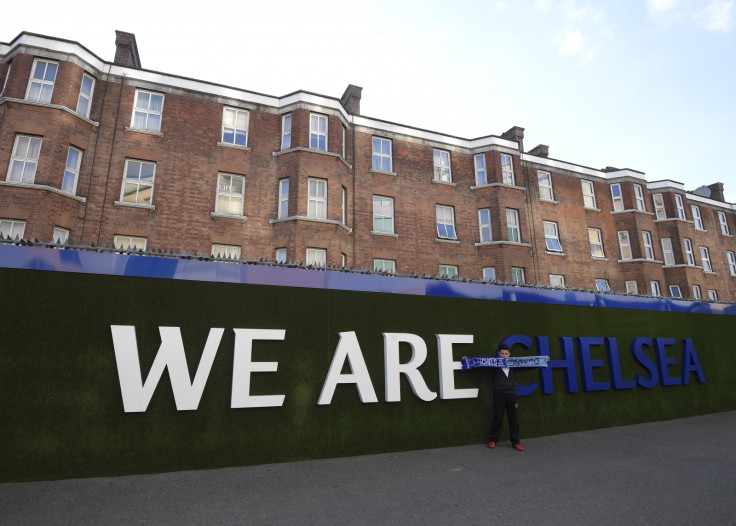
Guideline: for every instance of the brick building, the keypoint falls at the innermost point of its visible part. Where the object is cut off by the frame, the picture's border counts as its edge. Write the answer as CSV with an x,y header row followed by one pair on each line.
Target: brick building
x,y
111,153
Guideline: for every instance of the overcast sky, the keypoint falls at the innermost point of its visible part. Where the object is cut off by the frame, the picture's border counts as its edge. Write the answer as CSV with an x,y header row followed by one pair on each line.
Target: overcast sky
x,y
642,84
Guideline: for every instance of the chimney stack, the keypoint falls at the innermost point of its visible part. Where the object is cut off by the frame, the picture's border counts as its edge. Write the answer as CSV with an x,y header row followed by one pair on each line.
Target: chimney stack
x,y
126,50
350,100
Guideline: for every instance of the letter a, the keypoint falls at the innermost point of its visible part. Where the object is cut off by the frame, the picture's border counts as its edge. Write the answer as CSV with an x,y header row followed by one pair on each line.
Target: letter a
x,y
348,349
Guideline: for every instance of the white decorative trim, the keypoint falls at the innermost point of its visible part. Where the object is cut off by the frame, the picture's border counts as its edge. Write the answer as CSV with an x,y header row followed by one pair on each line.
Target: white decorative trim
x,y
46,188
147,132
451,241
312,150
382,172
385,234
233,146
228,216
135,205
312,220
630,210
504,185
3,100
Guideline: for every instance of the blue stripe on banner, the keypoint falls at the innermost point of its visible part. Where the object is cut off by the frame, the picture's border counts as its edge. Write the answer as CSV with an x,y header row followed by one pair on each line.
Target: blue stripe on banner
x,y
472,362
113,264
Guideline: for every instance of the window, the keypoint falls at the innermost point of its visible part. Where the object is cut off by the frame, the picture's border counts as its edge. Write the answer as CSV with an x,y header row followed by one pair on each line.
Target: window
x,y
230,190
384,265
130,243
489,274
12,229
71,172
317,257
344,206
517,275
601,285
680,207
648,248
383,214
731,263
712,295
675,291
696,217
696,292
588,194
5,81
507,169
61,235
552,237
283,198
343,260
654,288
280,255
659,206
138,182
381,155
705,258
445,222
545,186
84,102
448,271
147,111
343,146
226,251
724,223
618,198
235,126
625,243
286,132
668,253
632,287
596,243
689,255
512,225
442,170
317,205
557,281
481,176
484,223
41,83
318,132
639,194
24,160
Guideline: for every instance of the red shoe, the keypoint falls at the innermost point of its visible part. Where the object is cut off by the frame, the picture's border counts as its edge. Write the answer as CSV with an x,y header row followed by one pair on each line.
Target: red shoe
x,y
491,444
518,447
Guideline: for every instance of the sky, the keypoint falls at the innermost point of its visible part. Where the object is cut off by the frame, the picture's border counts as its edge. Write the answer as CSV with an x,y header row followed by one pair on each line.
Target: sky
x,y
648,85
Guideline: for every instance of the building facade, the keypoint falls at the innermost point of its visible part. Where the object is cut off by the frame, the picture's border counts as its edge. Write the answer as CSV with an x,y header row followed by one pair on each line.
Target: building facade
x,y
109,153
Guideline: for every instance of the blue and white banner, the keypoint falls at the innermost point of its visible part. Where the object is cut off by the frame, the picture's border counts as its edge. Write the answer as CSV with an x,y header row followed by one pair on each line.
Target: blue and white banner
x,y
471,362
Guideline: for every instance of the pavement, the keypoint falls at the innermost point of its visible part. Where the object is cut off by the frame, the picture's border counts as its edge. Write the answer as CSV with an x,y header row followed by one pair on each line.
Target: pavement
x,y
672,472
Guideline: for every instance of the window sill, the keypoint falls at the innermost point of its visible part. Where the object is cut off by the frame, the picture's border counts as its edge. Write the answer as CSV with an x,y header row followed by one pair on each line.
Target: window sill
x,y
233,146
641,260
46,188
446,240
667,219
446,183
700,230
144,132
599,258
228,216
511,243
312,220
134,205
384,234
632,210
503,185
554,253
550,201
592,209
710,272
312,150
382,172
726,235
4,100
681,265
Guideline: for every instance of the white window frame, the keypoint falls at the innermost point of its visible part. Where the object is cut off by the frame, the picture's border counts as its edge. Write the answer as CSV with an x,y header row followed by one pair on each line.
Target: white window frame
x,y
667,251
484,225
517,276
281,255
343,146
552,236
659,210
618,200
601,285
595,238
286,131
318,132
317,204
481,173
544,180
442,165
639,194
60,235
382,156
507,169
5,81
696,292
489,274
227,199
448,271
225,251
705,259
383,214
445,222
25,159
632,287
230,124
624,242
724,223
12,228
283,211
675,291
71,172
40,89
646,237
731,258
138,183
513,230
697,218
384,265
588,194
344,206
557,281
689,253
85,99
654,289
151,117
123,242
316,257
680,207
712,295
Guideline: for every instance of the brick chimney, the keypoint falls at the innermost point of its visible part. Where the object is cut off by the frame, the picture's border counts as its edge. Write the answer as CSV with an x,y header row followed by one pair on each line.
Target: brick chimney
x,y
541,150
610,169
515,134
126,50
350,100
716,192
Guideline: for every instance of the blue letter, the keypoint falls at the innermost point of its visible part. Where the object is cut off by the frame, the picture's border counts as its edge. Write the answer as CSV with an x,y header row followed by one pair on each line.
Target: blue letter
x,y
663,361
521,390
615,364
568,363
638,352
690,362
587,364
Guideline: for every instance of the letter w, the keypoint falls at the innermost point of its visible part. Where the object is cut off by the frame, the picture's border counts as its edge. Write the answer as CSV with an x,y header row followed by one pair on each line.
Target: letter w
x,y
136,394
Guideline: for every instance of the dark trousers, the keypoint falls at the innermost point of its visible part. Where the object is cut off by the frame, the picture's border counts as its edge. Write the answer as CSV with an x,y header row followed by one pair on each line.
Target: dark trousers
x,y
505,402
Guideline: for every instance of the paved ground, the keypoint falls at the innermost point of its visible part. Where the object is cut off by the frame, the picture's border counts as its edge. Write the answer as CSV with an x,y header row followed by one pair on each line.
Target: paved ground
x,y
674,472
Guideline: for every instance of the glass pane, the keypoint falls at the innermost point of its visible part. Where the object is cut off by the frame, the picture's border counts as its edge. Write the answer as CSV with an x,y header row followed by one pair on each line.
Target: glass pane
x,y
144,194
83,106
228,119
142,101
130,192
46,93
147,170
21,147
236,205
34,148
228,135
139,120
86,85
242,120
72,159
16,171
51,72
133,170
237,184
35,93
29,172
39,70
154,123
68,183
240,138
157,102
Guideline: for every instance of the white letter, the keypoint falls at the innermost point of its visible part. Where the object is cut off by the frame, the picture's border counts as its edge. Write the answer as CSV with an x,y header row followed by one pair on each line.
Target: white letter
x,y
348,348
447,366
136,396
243,367
394,369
